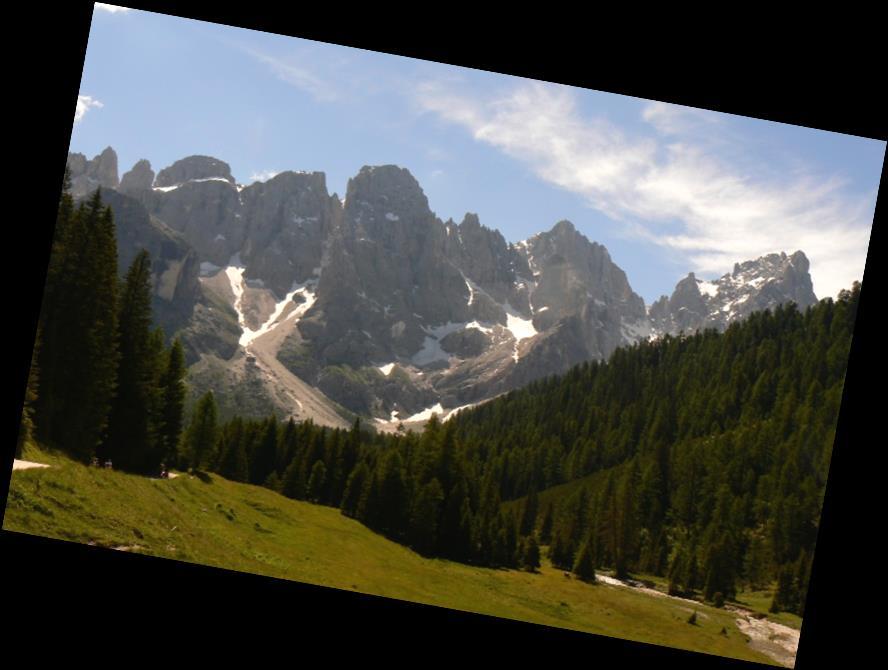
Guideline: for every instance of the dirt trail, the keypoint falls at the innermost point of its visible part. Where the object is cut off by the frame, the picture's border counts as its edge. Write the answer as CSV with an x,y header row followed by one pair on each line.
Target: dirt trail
x,y
24,465
768,637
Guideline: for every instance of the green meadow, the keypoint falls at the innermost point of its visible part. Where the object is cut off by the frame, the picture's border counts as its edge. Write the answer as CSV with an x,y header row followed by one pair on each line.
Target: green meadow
x,y
212,521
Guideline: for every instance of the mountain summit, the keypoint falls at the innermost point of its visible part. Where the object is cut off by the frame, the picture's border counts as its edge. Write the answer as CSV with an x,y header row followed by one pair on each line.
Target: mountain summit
x,y
753,286
290,300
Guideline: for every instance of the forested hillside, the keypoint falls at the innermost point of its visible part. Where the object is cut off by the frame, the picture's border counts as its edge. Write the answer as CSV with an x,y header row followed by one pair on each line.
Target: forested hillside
x,y
102,382
712,449
717,449
699,458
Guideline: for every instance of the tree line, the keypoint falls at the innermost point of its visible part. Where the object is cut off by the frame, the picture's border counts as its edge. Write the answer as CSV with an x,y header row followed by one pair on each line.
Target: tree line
x,y
702,459
102,383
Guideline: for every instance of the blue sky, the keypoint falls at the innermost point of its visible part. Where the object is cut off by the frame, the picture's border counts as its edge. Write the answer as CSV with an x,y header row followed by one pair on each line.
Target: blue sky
x,y
667,189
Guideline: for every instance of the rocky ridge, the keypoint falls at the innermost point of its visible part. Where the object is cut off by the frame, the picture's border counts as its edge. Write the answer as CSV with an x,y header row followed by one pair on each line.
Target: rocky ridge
x,y
753,286
373,306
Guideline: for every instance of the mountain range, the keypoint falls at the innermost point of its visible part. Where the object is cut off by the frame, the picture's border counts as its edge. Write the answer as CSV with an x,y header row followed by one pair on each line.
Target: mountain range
x,y
291,300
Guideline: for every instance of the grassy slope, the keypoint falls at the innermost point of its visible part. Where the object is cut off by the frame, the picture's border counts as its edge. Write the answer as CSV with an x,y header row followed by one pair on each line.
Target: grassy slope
x,y
252,529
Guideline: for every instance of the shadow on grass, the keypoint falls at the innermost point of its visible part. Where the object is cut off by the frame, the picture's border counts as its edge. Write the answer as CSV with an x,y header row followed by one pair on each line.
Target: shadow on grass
x,y
202,476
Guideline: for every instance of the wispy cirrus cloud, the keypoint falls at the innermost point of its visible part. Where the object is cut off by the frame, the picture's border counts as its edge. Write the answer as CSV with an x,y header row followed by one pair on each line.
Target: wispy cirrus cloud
x,y
672,177
113,9
297,74
84,104
671,119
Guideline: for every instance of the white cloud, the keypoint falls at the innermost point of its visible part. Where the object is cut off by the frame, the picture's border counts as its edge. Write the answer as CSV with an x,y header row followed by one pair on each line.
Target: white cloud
x,y
671,119
678,175
111,8
84,104
299,76
264,176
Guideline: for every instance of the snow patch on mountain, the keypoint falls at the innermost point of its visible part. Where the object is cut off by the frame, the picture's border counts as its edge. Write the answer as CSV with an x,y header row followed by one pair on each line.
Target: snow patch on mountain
x,y
274,320
426,414
636,331
308,291
520,327
707,288
235,273
222,179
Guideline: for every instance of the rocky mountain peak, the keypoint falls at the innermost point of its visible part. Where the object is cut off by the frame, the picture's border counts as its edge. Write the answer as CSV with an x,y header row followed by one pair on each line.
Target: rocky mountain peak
x,y
687,286
291,180
139,178
194,168
386,187
800,261
287,219
381,306
564,228
754,285
88,175
470,220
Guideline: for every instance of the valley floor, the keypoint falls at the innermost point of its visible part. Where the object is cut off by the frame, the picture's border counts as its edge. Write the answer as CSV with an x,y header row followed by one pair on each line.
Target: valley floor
x,y
236,526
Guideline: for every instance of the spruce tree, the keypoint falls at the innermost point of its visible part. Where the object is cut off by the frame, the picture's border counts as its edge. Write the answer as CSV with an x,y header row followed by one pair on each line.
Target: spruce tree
x,y
560,551
26,428
130,441
454,533
546,526
200,438
531,554
529,513
78,359
156,364
233,462
264,458
173,398
316,481
56,314
785,592
424,517
392,494
353,489
584,566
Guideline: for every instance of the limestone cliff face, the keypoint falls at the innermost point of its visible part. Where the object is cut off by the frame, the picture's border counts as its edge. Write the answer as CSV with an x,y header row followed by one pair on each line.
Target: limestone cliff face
x,y
139,178
194,168
88,175
174,264
376,304
386,274
286,221
753,286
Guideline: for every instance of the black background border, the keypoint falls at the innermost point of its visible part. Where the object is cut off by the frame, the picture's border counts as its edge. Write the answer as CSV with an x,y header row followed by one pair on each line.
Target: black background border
x,y
823,76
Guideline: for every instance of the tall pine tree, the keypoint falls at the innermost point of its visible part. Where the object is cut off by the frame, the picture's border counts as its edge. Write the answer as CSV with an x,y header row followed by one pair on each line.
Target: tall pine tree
x,y
26,428
129,442
173,401
200,438
78,359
